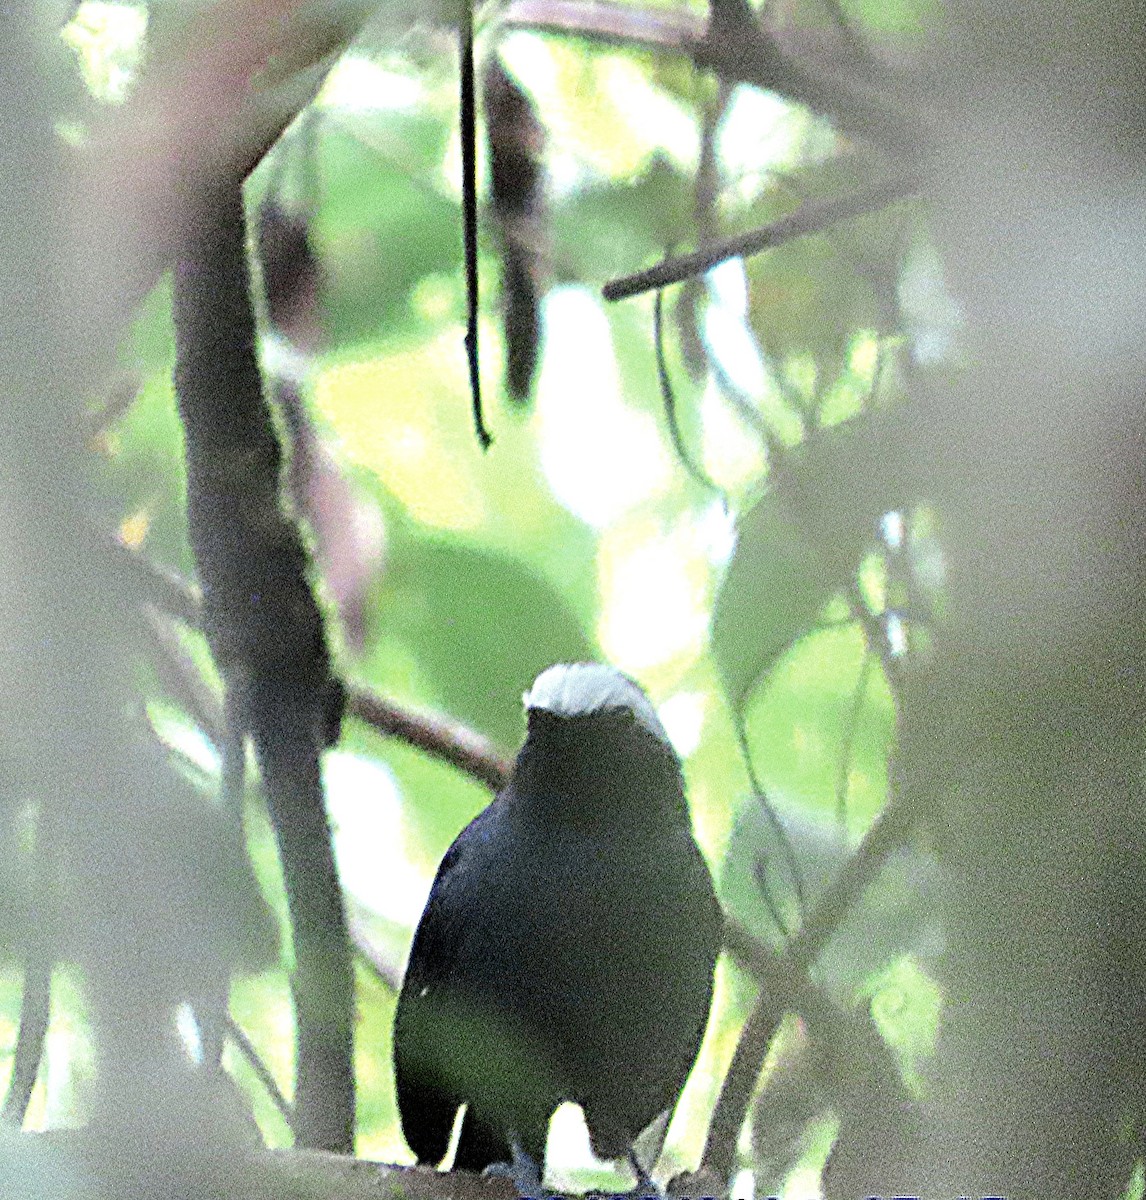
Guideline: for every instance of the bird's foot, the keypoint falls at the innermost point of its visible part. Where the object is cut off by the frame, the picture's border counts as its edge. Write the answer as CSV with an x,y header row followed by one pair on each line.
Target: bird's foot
x,y
523,1171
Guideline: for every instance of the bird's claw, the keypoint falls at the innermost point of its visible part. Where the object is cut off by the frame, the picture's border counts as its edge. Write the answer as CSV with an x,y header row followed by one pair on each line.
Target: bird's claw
x,y
522,1170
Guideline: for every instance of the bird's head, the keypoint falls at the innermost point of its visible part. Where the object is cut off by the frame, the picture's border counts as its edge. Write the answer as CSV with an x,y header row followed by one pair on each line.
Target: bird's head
x,y
595,740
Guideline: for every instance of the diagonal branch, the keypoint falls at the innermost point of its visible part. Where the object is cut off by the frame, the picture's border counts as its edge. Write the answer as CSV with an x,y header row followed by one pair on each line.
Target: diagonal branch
x,y
436,735
784,980
812,216
736,45
246,1048
738,48
619,24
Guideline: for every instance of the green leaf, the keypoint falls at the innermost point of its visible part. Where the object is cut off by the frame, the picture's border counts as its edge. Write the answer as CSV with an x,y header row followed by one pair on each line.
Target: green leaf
x,y
613,226
775,588
481,626
895,915
807,737
380,228
798,546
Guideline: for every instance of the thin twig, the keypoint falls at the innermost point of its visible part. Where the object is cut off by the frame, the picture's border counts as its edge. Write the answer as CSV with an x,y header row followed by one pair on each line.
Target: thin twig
x,y
179,676
656,29
858,695
874,632
737,47
468,121
35,1012
706,184
115,399
760,874
747,411
664,30
694,469
160,585
783,840
812,216
448,740
262,1072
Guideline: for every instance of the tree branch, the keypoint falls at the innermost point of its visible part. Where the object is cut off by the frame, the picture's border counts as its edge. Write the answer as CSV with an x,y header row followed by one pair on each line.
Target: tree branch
x,y
266,633
678,30
437,736
739,48
247,1175
657,29
35,1010
813,216
784,980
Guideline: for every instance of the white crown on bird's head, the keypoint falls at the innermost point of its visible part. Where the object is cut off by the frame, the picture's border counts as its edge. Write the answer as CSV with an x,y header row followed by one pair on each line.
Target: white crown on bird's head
x,y
583,689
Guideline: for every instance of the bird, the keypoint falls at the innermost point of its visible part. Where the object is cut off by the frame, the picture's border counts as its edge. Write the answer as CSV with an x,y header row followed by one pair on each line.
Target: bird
x,y
567,948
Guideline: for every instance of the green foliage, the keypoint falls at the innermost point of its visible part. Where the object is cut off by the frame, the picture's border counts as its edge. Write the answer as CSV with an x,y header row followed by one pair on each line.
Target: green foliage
x,y
617,225
545,549
799,545
430,593
384,217
897,915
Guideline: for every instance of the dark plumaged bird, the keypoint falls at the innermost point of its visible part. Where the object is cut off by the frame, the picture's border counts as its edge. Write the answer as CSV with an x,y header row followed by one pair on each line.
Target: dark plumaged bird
x,y
567,948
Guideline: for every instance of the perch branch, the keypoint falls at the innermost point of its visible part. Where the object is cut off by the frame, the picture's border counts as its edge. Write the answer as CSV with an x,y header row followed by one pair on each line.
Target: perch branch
x,y
764,800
